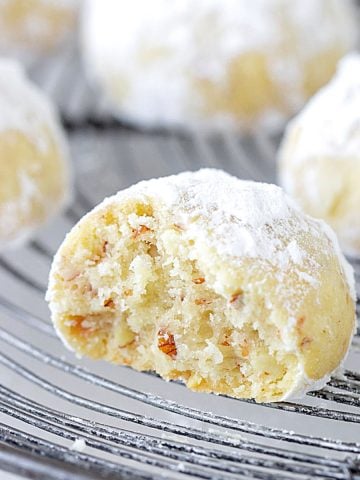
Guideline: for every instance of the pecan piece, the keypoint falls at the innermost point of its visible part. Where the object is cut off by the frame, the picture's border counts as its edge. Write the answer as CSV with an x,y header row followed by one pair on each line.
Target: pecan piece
x,y
109,302
305,341
299,324
236,296
178,227
104,246
136,232
202,301
166,343
226,339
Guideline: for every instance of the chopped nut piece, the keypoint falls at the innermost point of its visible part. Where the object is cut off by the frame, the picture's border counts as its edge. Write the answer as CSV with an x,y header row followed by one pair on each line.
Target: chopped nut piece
x,y
227,335
99,252
305,341
236,296
153,251
70,277
88,288
178,227
105,245
69,273
109,303
299,327
128,292
202,301
166,343
299,323
199,281
136,232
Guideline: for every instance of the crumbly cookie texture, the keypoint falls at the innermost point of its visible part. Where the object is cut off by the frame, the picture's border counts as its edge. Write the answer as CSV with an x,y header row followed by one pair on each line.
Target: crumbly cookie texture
x,y
34,168
206,278
319,159
29,27
218,64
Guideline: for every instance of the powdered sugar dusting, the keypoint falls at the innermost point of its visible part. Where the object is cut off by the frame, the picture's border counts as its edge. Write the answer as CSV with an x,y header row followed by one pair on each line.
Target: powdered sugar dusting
x,y
243,219
319,159
26,110
330,123
23,107
78,445
149,53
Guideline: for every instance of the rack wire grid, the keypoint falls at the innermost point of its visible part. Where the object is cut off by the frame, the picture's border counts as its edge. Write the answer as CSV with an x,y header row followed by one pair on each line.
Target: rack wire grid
x,y
136,425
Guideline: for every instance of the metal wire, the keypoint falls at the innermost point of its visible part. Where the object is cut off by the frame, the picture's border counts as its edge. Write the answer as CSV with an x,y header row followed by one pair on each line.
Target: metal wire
x,y
47,401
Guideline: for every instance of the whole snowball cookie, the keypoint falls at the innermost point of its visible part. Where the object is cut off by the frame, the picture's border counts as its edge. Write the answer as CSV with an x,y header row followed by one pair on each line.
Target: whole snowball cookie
x,y
215,63
31,27
319,160
34,168
202,277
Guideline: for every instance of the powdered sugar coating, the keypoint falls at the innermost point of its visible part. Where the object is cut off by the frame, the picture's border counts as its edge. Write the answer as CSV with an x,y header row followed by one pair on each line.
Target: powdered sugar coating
x,y
246,219
78,445
148,54
319,159
23,107
330,123
26,110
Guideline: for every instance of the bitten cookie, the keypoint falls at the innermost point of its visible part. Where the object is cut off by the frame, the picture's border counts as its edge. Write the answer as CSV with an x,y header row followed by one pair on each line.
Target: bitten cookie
x,y
219,64
319,160
34,169
202,277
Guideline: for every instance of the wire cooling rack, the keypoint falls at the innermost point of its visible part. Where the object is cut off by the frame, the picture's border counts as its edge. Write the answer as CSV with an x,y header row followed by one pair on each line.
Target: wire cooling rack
x,y
130,424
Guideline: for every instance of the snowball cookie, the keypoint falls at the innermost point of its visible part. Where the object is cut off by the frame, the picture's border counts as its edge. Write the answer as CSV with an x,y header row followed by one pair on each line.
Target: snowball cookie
x,y
202,277
319,160
35,25
33,156
214,63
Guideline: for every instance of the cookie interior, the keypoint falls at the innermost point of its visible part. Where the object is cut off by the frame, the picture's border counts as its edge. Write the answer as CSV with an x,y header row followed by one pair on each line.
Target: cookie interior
x,y
130,291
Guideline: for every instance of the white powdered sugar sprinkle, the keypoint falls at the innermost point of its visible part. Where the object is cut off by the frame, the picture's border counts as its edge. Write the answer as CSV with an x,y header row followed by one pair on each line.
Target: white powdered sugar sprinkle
x,y
242,219
26,111
78,445
23,107
330,124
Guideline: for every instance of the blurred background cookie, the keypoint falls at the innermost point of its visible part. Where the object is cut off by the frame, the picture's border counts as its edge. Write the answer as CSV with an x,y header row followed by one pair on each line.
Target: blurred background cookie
x,y
218,63
319,160
35,27
34,168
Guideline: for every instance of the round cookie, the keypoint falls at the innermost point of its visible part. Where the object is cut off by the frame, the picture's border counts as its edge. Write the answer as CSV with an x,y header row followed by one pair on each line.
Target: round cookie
x,y
214,63
29,27
319,159
34,167
206,278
